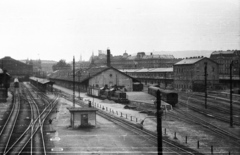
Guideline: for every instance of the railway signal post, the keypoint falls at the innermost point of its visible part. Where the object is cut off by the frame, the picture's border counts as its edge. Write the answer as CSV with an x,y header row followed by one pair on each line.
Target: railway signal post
x,y
159,123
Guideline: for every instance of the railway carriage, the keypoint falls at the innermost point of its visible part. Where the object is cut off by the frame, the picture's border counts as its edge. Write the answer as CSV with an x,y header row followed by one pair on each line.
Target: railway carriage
x,y
16,83
168,96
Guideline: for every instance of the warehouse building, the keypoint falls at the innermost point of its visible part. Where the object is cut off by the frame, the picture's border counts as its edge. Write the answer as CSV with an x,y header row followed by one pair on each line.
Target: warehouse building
x,y
16,69
189,74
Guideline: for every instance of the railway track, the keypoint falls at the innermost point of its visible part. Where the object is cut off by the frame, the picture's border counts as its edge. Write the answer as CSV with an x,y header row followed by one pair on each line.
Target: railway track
x,y
212,111
214,101
31,139
193,119
171,147
7,130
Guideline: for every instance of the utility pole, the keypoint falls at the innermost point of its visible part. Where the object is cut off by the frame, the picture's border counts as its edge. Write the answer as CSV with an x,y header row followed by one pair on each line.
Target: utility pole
x,y
239,76
73,81
165,80
231,110
79,84
159,123
205,75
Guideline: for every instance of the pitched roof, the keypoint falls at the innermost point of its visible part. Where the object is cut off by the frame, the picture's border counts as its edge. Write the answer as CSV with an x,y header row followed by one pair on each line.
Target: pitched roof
x,y
9,58
84,74
188,61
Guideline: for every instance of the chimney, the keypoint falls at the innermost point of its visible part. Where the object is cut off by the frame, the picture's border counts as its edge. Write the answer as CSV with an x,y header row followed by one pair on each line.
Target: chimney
x,y
108,58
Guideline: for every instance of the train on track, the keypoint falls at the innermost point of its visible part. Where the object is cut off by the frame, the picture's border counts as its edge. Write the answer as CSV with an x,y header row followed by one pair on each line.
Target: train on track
x,y
16,83
168,96
114,93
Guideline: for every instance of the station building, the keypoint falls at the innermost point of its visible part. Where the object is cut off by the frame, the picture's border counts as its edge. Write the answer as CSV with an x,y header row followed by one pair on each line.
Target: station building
x,y
16,69
189,74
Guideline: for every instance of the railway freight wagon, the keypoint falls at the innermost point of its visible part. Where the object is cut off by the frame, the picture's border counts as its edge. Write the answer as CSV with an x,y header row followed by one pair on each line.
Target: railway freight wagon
x,y
168,96
115,95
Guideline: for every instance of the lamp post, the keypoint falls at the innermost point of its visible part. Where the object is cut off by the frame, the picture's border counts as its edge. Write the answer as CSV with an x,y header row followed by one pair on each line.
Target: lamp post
x,y
205,75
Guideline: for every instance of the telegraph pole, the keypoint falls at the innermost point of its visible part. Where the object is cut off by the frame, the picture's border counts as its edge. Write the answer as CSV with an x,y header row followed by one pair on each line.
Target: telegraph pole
x,y
205,75
79,84
159,123
231,110
73,81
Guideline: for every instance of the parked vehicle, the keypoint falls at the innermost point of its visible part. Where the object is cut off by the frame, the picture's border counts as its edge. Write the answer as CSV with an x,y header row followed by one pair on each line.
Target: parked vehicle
x,y
168,96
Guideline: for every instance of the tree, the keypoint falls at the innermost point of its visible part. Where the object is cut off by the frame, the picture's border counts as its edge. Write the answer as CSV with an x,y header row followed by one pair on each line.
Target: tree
x,y
61,65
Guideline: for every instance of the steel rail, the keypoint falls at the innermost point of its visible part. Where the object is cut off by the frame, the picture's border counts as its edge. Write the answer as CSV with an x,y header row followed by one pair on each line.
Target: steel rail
x,y
192,118
8,127
35,114
40,122
43,115
207,113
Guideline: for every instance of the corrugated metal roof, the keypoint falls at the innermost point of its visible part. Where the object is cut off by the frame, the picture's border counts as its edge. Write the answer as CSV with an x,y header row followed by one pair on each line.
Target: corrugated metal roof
x,y
144,70
162,70
169,69
188,61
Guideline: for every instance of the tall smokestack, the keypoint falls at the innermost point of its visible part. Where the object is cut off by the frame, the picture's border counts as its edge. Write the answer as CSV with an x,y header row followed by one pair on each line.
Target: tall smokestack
x,y
108,58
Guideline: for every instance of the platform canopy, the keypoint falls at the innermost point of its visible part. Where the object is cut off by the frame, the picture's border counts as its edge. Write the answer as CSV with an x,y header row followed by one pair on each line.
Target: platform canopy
x,y
42,81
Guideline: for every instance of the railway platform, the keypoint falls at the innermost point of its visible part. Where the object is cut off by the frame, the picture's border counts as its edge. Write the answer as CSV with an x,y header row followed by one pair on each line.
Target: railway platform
x,y
107,138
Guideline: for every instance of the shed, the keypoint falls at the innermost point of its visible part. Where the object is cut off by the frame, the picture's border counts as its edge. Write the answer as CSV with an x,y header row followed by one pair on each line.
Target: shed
x,y
82,116
42,84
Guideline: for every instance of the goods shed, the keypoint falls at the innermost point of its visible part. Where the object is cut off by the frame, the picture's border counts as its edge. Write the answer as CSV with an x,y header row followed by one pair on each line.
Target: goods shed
x,y
42,84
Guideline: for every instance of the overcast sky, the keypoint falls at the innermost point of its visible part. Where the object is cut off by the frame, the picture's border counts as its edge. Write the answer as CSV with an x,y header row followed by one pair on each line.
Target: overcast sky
x,y
59,29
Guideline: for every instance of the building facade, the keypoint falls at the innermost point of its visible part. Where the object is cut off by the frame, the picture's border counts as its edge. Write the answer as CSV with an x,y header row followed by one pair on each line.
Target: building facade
x,y
189,74
224,59
111,77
